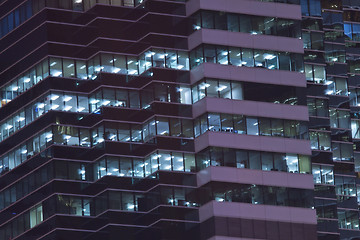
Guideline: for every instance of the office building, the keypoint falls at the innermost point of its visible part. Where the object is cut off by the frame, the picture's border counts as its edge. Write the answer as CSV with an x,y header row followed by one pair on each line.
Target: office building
x,y
174,119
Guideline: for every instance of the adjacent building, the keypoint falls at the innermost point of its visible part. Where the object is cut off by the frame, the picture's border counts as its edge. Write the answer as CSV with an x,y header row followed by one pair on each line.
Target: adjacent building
x,y
174,119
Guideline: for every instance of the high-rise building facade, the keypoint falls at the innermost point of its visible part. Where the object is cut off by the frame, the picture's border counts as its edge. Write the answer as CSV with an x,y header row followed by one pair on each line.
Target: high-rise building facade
x,y
174,119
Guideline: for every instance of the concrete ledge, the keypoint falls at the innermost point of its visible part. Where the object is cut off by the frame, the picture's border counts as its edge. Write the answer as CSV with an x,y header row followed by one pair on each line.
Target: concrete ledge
x,y
246,40
247,74
251,7
257,212
252,142
258,177
250,108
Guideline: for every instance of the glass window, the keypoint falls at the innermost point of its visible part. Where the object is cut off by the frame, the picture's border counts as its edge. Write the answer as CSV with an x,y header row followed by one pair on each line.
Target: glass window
x,y
245,23
207,18
107,62
209,54
237,91
212,88
120,64
56,67
280,163
175,127
138,168
136,132
265,126
183,61
178,161
305,164
233,22
235,56
132,65
214,122
165,161
127,201
159,58
112,166
69,68
36,216
162,126
220,20
247,57
126,167
187,128
277,127
239,124
255,160
324,141
222,55
185,95
204,123
189,160
267,161
252,126
171,59
227,123
292,163
224,89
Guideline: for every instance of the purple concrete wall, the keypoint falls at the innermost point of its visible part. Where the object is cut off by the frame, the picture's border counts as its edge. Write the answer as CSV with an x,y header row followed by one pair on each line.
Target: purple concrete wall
x,y
250,108
258,177
257,212
247,74
252,142
250,7
246,40
231,238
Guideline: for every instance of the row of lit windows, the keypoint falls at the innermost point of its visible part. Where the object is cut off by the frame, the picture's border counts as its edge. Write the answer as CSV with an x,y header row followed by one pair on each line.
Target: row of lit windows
x,y
238,124
246,57
125,132
354,95
243,91
54,101
181,94
70,68
249,125
130,167
140,99
255,194
61,67
130,201
246,23
141,167
68,102
265,161
158,126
